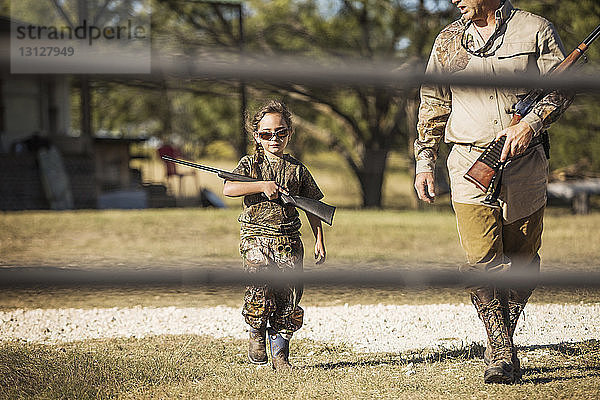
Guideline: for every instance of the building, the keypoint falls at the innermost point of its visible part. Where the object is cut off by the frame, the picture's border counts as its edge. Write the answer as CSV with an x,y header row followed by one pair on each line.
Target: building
x,y
35,114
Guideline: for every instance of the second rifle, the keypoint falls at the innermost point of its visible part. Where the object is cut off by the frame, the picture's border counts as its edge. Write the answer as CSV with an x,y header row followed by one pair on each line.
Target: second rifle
x,y
485,170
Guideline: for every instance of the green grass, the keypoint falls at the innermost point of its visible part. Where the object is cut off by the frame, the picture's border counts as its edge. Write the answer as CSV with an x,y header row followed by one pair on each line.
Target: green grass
x,y
188,237
197,238
187,367
169,367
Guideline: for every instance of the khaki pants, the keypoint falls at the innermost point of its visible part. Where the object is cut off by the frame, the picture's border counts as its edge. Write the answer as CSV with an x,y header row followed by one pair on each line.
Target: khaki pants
x,y
491,245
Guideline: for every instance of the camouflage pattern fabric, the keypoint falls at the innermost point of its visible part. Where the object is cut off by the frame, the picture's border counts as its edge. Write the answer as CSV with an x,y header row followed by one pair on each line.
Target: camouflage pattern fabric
x,y
523,43
277,305
270,240
273,218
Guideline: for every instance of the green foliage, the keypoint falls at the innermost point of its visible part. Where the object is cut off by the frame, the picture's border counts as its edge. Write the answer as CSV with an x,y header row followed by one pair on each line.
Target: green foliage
x,y
362,123
191,112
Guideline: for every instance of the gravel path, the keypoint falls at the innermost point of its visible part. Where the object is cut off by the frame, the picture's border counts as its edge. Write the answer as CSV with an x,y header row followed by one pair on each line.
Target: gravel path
x,y
366,328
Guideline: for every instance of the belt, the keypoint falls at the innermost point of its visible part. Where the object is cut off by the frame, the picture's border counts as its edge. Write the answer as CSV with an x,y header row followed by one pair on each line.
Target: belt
x,y
535,141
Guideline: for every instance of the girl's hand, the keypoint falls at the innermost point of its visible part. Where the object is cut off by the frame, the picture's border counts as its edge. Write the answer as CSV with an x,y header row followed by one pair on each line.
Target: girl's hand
x,y
320,253
271,189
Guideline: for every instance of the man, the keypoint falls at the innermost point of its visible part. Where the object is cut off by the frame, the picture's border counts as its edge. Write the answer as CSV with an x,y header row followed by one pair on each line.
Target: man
x,y
492,38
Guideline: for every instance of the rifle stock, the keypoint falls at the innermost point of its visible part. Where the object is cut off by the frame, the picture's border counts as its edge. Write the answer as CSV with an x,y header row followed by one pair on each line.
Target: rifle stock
x,y
482,172
317,208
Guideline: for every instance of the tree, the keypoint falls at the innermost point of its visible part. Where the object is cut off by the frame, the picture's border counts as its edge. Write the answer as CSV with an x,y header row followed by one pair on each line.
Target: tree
x,y
193,111
363,123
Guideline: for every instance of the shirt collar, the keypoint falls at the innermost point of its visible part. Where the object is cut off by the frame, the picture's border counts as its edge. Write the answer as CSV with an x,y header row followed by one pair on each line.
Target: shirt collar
x,y
473,43
503,13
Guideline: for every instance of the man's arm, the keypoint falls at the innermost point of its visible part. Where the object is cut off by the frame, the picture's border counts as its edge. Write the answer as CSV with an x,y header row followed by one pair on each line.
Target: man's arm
x,y
554,104
549,108
434,112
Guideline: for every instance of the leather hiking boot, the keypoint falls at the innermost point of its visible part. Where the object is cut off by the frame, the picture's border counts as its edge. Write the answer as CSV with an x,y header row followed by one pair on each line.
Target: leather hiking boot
x,y
257,346
514,312
280,351
500,371
517,372
493,315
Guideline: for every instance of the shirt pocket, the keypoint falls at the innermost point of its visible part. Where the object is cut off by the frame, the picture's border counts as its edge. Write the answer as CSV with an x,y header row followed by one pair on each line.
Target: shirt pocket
x,y
516,57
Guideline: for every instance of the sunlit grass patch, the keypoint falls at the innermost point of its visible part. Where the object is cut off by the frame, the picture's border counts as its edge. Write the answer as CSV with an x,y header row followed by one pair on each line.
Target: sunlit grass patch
x,y
199,367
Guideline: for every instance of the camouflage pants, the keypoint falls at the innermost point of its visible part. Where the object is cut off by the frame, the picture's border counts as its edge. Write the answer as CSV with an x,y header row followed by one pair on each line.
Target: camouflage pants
x,y
275,304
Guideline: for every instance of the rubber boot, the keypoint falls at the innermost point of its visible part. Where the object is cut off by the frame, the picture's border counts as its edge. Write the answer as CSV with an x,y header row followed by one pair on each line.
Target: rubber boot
x,y
257,346
280,351
493,315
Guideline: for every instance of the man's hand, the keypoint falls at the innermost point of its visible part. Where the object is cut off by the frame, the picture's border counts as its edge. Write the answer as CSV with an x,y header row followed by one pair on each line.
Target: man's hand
x,y
517,139
424,184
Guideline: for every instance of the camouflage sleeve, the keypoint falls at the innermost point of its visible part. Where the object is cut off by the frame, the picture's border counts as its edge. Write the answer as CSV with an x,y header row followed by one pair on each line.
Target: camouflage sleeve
x,y
553,105
244,166
308,186
434,112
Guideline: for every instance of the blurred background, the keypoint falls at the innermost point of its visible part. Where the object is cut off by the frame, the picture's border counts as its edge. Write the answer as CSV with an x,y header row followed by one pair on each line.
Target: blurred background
x,y
107,132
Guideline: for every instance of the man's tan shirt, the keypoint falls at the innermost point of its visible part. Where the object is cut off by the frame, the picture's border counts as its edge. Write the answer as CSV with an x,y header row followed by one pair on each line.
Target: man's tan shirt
x,y
473,116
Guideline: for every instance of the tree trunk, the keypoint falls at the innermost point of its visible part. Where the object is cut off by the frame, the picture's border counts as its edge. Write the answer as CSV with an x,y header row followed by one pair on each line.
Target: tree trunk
x,y
371,177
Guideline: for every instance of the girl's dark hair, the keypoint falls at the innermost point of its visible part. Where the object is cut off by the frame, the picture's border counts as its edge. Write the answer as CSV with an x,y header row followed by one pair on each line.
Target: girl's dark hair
x,y
272,107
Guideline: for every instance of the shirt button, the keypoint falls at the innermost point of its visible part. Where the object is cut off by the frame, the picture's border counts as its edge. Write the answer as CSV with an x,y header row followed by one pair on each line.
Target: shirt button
x,y
491,97
495,122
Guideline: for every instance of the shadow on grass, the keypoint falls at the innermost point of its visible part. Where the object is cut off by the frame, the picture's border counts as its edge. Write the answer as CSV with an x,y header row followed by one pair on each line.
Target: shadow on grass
x,y
530,374
569,349
553,371
589,349
472,351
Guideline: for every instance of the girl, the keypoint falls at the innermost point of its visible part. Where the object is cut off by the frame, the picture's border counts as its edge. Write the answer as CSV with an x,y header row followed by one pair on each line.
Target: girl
x,y
270,236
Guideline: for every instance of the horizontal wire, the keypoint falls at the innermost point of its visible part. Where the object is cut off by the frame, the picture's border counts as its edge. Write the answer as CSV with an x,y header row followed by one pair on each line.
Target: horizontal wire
x,y
304,70
12,277
355,73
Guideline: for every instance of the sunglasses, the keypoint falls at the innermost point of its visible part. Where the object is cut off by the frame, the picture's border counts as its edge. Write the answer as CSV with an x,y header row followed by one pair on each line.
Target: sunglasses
x,y
280,133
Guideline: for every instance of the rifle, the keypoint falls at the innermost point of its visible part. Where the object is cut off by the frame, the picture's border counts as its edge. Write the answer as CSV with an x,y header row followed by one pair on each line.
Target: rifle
x,y
315,207
484,171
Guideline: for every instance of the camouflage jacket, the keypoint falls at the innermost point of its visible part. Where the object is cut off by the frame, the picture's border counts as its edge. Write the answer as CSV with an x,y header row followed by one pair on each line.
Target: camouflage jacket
x,y
523,42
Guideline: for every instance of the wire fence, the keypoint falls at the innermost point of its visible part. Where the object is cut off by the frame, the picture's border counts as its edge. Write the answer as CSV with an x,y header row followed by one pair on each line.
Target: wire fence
x,y
387,74
303,70
27,277
295,70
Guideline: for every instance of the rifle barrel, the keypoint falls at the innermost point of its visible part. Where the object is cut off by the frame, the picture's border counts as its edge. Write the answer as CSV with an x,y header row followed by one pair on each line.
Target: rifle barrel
x,y
592,36
318,208
193,165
